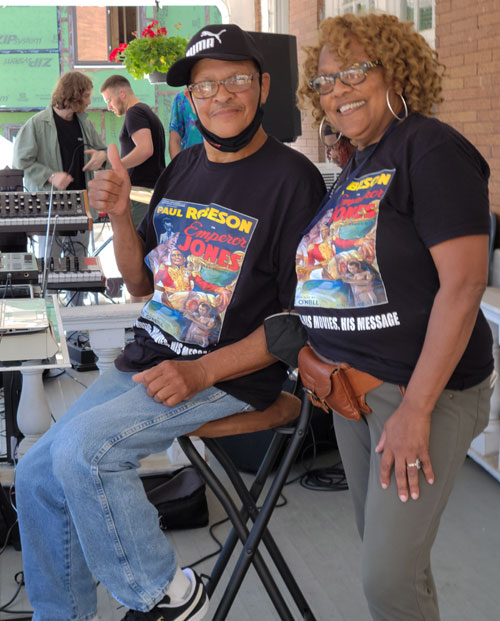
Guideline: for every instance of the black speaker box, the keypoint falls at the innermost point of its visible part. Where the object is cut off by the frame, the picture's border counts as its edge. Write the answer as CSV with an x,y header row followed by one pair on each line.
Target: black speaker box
x,y
11,180
13,242
12,384
281,115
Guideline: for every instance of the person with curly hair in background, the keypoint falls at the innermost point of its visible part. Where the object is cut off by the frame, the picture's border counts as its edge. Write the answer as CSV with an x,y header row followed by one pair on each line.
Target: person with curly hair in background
x,y
421,189
59,148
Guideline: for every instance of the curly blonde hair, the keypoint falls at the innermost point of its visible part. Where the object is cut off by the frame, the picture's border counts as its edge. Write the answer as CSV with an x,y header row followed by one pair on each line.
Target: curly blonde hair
x,y
411,66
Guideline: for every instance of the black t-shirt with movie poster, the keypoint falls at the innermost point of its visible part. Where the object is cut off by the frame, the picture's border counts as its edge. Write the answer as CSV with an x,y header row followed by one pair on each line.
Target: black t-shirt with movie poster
x,y
220,242
139,117
366,278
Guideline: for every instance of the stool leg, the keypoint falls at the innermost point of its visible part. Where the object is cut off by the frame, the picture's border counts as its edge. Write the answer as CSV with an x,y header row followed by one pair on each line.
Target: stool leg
x,y
249,499
263,518
233,514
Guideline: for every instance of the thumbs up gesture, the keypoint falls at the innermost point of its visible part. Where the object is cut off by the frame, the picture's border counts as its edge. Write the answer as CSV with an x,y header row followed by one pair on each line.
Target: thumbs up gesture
x,y
109,191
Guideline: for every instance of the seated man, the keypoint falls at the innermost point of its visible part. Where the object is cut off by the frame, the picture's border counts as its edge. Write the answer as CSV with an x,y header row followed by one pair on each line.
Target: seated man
x,y
218,245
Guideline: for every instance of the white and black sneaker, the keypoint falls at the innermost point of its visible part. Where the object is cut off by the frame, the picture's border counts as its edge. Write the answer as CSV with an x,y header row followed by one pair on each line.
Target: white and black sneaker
x,y
193,609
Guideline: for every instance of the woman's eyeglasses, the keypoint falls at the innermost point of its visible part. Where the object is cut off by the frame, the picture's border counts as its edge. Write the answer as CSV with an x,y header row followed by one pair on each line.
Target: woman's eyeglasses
x,y
324,84
209,88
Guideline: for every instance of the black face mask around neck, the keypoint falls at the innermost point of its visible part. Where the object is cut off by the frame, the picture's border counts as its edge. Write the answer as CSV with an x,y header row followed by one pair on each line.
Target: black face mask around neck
x,y
234,143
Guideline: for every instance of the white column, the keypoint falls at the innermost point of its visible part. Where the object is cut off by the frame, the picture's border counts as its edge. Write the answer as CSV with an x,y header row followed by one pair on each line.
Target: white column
x,y
33,412
107,345
106,324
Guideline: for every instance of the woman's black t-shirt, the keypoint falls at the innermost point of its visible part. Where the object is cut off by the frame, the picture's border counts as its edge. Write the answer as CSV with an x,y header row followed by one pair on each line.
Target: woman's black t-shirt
x,y
367,280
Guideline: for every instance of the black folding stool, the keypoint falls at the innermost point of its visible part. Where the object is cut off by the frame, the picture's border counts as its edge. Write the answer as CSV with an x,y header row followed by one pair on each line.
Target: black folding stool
x,y
289,421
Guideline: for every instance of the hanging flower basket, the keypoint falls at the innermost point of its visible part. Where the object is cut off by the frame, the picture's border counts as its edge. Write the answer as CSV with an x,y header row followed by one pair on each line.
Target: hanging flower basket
x,y
157,77
151,53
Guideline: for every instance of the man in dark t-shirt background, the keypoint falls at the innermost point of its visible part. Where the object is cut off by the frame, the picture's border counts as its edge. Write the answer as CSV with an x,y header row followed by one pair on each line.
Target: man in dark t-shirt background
x,y
142,137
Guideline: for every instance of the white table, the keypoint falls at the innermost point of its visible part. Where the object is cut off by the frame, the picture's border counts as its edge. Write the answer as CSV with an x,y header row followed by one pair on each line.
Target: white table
x,y
485,449
33,412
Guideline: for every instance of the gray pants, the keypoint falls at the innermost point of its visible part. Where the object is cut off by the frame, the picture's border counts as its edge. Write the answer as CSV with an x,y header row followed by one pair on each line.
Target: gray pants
x,y
397,537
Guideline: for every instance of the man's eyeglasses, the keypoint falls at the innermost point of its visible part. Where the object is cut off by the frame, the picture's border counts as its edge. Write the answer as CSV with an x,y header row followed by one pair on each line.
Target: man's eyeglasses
x,y
324,84
234,84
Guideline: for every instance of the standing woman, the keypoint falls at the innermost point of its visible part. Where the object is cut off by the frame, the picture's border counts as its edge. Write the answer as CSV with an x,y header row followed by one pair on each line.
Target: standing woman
x,y
411,208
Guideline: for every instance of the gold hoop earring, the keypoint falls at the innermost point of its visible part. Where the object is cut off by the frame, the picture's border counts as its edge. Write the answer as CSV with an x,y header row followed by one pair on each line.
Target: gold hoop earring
x,y
326,123
399,118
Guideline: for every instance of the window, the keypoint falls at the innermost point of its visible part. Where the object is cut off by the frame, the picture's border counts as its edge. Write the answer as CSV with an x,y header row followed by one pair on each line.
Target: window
x,y
361,6
11,129
97,30
421,13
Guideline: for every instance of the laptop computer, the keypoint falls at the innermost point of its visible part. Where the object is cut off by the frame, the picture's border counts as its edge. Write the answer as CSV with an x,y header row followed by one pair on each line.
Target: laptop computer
x,y
26,332
23,315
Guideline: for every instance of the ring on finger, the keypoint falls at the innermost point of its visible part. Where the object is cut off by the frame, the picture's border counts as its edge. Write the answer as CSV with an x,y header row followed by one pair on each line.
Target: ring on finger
x,y
415,464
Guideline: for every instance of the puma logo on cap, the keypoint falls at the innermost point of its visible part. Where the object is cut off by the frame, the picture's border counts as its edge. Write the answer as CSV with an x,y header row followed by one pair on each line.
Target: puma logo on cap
x,y
205,44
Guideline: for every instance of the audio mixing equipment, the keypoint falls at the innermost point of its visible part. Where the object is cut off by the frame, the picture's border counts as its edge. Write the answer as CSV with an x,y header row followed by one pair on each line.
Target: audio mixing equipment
x,y
74,274
27,212
18,268
66,273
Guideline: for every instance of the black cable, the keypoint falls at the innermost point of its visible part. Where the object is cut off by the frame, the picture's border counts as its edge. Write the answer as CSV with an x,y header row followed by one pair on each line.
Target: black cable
x,y
8,286
211,531
212,554
19,579
6,542
49,376
108,297
330,479
71,298
83,339
78,146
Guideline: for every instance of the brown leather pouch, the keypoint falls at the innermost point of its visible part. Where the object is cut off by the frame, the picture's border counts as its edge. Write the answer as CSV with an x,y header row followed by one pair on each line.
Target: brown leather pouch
x,y
335,386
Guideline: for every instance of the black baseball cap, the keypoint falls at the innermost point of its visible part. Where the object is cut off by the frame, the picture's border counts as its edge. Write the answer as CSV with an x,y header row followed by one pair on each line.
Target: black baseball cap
x,y
219,41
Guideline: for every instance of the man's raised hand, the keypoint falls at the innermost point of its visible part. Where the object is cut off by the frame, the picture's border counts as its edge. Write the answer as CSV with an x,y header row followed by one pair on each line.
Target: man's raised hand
x,y
109,191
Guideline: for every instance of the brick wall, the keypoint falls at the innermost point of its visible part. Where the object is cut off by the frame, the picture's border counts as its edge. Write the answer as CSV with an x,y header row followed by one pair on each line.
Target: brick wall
x,y
258,15
304,21
468,42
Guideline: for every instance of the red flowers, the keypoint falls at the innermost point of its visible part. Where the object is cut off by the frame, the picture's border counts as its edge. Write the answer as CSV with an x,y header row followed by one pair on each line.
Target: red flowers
x,y
150,31
157,32
117,51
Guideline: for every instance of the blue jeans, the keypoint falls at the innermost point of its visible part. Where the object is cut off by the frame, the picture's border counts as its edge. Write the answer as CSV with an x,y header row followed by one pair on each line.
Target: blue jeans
x,y
83,512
